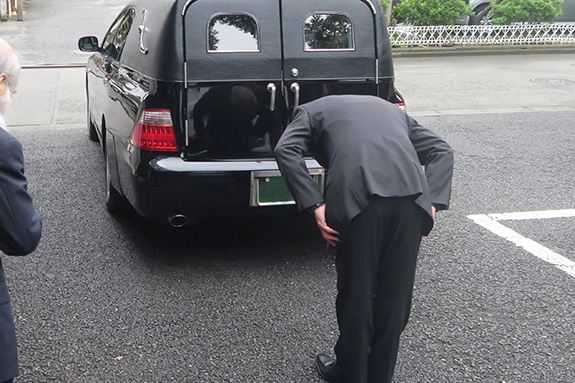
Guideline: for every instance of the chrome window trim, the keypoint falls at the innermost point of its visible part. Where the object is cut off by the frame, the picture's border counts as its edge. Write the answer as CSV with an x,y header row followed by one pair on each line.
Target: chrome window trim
x,y
258,34
330,50
330,13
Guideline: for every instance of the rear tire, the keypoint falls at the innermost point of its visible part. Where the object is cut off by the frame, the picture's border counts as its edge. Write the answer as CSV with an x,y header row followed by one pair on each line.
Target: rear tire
x,y
92,134
115,202
485,20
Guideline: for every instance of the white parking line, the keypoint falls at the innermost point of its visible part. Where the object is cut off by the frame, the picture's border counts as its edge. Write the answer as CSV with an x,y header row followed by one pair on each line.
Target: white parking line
x,y
491,223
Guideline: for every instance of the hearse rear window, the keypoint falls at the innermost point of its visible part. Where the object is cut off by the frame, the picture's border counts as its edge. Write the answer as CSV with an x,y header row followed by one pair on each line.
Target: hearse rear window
x,y
325,31
233,33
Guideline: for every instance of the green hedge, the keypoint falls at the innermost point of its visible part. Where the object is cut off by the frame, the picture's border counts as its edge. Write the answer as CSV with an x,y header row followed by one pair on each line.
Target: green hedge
x,y
446,12
430,12
525,11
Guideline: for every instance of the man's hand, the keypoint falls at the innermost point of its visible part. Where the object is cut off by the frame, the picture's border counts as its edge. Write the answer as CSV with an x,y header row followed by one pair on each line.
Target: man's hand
x,y
329,234
433,211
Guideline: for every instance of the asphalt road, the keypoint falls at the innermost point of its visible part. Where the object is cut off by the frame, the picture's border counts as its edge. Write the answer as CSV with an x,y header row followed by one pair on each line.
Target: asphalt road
x,y
51,28
250,298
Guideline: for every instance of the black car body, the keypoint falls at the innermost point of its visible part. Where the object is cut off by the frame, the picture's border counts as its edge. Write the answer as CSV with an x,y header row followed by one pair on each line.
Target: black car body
x,y
189,97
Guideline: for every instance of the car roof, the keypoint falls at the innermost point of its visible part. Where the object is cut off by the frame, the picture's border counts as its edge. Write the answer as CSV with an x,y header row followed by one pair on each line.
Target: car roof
x,y
163,37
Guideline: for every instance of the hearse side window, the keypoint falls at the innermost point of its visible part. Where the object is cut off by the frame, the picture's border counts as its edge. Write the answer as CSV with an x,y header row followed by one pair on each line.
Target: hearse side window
x,y
324,31
116,36
233,33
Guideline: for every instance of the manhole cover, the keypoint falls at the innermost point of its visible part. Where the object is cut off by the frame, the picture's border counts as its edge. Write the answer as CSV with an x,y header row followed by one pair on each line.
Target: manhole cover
x,y
553,81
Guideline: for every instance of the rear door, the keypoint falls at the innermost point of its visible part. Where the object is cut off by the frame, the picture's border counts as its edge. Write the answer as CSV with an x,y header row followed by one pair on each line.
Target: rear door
x,y
234,63
249,63
329,47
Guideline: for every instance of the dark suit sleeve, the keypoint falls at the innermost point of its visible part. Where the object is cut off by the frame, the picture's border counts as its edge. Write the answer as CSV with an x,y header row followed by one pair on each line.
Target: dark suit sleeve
x,y
293,145
437,157
20,225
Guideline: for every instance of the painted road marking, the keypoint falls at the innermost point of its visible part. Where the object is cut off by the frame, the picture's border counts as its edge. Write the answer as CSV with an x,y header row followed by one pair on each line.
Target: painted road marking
x,y
491,223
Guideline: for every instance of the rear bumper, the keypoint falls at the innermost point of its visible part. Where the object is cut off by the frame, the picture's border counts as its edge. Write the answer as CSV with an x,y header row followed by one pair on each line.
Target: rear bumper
x,y
177,165
166,187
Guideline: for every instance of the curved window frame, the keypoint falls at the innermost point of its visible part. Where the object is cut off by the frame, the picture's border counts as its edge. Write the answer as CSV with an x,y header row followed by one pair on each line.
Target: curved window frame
x,y
320,13
257,37
110,39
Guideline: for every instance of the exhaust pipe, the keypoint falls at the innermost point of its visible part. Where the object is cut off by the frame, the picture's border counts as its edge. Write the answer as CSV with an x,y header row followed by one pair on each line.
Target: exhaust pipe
x,y
178,220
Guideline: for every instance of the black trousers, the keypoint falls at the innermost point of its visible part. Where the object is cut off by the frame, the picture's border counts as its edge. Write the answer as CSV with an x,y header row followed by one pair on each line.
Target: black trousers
x,y
375,263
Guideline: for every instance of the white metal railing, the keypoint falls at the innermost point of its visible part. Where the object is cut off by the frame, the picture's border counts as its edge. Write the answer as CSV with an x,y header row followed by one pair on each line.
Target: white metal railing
x,y
516,34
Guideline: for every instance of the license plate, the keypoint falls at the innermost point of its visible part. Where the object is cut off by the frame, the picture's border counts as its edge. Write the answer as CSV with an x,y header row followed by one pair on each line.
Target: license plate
x,y
268,188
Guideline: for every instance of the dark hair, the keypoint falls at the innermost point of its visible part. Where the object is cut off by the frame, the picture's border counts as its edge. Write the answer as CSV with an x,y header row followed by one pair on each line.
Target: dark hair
x,y
244,102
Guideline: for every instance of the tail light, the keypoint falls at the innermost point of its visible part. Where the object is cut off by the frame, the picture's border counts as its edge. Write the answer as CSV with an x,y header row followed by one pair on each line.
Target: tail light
x,y
155,131
401,105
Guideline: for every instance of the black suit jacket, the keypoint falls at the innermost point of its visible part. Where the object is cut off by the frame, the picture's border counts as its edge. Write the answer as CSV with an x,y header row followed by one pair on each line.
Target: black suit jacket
x,y
20,231
368,147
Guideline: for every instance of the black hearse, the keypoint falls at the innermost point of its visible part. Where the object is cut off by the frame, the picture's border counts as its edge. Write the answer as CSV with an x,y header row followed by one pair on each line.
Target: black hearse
x,y
189,97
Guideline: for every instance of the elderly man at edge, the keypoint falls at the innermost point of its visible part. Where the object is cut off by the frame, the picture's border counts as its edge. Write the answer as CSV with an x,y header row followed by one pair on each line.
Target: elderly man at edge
x,y
20,225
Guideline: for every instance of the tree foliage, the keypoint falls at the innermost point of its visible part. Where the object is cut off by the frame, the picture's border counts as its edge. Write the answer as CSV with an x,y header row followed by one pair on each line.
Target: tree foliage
x,y
525,11
328,32
241,22
430,12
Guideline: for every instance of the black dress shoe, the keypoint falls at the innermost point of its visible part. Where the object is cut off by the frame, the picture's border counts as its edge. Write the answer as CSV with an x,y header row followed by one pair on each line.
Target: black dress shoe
x,y
327,368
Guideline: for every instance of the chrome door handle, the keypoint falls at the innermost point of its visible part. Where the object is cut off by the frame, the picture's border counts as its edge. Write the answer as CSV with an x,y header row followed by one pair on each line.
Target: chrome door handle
x,y
272,89
295,89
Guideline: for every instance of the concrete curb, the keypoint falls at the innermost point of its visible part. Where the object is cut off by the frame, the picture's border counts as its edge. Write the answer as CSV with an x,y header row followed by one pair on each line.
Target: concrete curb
x,y
410,52
482,50
54,66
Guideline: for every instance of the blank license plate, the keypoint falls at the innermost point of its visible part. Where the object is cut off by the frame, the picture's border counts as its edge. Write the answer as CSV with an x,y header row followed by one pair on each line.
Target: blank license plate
x,y
268,188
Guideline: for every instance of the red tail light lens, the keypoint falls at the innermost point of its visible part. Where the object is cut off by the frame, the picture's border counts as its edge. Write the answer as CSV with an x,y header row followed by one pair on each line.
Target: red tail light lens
x,y
401,106
155,131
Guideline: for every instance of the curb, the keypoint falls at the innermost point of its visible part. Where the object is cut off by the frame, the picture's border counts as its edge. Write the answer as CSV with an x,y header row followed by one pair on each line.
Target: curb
x,y
481,50
54,66
488,50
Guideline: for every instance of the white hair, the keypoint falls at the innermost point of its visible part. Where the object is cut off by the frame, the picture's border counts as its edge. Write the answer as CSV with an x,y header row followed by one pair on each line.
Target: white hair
x,y
9,64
